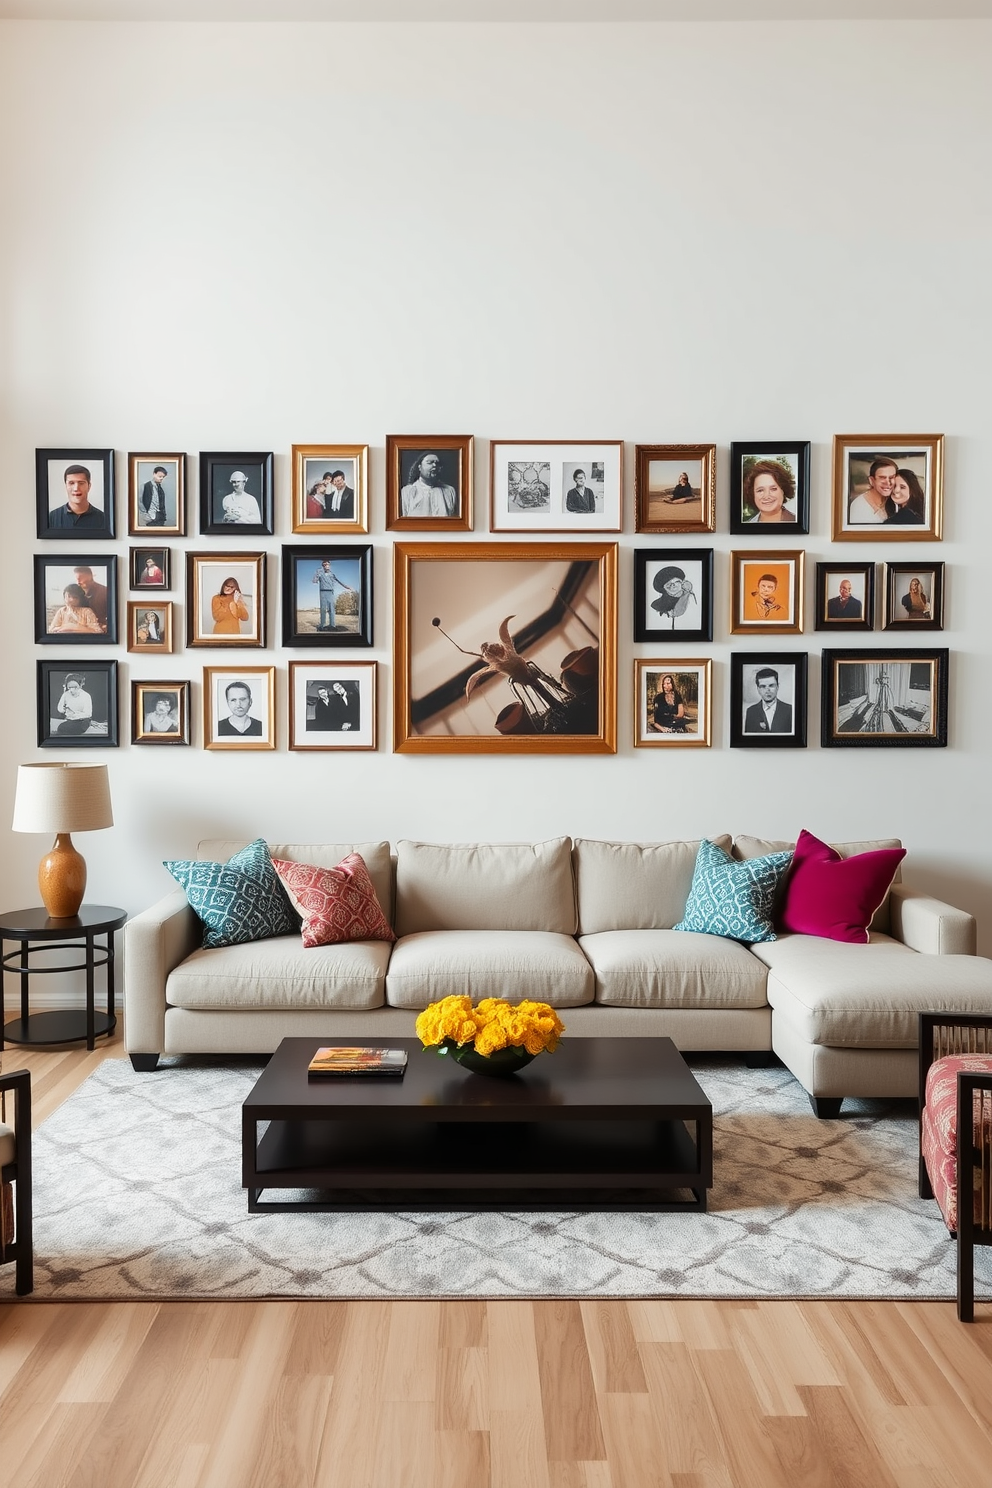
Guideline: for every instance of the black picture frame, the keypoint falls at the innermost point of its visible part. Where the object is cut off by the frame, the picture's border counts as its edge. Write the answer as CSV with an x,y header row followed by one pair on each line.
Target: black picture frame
x,y
792,458
97,680
913,703
95,575
749,728
52,470
218,483
902,609
138,567
834,610
304,625
659,613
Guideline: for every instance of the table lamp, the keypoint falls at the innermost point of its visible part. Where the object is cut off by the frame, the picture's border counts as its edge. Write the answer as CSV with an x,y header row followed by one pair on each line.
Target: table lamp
x,y
62,798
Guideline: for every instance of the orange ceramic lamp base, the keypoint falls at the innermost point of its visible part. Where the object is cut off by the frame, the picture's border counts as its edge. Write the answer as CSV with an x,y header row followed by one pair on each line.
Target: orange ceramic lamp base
x,y
62,878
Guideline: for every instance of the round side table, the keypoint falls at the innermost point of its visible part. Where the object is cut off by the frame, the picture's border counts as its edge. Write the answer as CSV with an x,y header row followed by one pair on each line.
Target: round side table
x,y
35,931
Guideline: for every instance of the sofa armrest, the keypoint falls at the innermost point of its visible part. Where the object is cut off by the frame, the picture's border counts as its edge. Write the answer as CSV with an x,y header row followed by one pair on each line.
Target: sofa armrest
x,y
930,926
155,942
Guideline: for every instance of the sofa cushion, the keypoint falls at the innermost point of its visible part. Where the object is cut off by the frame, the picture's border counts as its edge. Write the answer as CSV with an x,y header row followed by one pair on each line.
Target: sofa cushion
x,y
335,904
282,974
485,886
633,885
515,964
376,856
673,969
757,847
832,896
238,900
851,996
733,898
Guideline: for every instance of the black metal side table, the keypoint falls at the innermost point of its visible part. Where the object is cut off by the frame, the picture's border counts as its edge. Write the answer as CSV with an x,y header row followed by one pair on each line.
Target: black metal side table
x,y
35,931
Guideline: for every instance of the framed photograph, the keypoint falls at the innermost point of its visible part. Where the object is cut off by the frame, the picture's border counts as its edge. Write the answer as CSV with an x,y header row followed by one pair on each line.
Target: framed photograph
x,y
673,594
225,599
672,702
150,568
156,495
884,697
845,596
330,488
235,494
239,708
149,626
888,487
429,482
75,493
327,595
913,596
768,700
75,600
556,485
767,592
505,648
769,486
77,705
332,705
675,487
160,712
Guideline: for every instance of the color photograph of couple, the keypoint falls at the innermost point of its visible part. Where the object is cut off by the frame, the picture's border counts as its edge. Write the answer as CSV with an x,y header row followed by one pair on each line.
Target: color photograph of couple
x,y
888,488
330,487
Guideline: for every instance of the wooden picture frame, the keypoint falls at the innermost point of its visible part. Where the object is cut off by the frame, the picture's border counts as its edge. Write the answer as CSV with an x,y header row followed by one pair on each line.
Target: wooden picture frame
x,y
913,596
675,716
225,599
150,568
75,599
235,695
769,488
767,592
845,596
160,712
888,487
332,705
156,495
74,494
556,486
673,594
430,482
330,488
543,617
77,705
149,626
236,494
661,501
327,594
768,699
884,697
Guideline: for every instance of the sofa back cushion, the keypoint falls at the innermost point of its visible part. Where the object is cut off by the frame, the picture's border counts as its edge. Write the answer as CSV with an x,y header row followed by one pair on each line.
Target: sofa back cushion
x,y
634,885
757,847
323,855
485,886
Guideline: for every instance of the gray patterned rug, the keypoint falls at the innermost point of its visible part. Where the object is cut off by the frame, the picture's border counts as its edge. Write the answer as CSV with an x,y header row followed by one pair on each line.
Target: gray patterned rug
x,y
138,1195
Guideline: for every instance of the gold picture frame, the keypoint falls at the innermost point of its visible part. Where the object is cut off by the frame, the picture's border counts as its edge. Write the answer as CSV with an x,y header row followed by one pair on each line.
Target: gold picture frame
x,y
888,487
218,614
149,626
544,619
334,477
675,717
658,469
160,712
767,592
156,495
225,707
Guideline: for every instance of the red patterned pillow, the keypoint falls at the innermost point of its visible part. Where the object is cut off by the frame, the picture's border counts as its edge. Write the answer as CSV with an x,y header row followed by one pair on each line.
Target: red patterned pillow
x,y
335,904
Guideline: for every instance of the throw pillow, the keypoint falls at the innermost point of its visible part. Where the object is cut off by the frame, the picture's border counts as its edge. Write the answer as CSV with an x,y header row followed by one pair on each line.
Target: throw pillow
x,y
335,904
836,897
239,900
733,899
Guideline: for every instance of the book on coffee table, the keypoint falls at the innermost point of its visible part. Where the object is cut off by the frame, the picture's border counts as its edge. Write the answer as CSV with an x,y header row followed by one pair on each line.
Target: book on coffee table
x,y
341,1059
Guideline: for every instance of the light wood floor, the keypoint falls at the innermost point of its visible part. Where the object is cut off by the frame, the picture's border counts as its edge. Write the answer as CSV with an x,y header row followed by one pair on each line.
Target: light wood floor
x,y
468,1394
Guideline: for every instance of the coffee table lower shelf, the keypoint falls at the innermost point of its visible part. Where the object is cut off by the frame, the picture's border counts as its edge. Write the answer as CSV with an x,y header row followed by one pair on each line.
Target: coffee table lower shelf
x,y
343,1165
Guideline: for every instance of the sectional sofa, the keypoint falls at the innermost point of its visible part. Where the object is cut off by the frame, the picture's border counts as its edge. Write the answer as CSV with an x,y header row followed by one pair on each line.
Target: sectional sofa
x,y
585,926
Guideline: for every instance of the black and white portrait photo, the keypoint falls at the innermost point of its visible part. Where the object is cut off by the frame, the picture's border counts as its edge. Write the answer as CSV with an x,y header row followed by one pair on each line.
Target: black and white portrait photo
x,y
75,493
429,482
584,487
235,494
431,485
239,711
156,494
768,700
160,712
77,706
332,705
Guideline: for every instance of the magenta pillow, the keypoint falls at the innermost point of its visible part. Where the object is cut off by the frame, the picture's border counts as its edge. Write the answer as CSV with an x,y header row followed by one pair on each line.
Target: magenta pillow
x,y
836,897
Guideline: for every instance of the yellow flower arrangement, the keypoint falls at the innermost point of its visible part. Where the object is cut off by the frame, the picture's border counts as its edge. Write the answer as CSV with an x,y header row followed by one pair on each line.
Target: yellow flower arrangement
x,y
491,1025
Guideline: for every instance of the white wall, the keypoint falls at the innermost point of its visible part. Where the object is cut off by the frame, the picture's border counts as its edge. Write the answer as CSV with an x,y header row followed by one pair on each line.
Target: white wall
x,y
226,237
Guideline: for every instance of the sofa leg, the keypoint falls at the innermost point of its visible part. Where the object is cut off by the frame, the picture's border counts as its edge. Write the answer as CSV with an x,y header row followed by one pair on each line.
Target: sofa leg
x,y
827,1107
761,1059
926,1188
143,1063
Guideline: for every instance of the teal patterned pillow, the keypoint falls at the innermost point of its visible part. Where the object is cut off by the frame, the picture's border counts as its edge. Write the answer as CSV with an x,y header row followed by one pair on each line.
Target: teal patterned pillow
x,y
734,899
239,900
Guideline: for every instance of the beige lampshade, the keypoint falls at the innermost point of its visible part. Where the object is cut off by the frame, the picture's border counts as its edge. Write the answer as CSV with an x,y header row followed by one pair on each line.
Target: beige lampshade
x,y
62,798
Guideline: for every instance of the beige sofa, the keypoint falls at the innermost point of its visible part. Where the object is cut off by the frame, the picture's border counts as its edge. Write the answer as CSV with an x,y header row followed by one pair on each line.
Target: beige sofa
x,y
585,926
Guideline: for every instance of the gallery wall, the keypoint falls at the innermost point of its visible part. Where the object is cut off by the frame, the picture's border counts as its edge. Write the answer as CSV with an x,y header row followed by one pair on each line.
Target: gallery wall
x,y
226,237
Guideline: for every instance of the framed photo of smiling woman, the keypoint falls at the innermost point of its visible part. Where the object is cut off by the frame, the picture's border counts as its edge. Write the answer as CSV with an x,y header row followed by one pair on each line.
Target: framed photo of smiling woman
x,y
769,487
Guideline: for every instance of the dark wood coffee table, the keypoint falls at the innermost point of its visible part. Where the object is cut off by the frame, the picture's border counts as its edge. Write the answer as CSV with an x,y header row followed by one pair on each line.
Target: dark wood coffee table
x,y
601,1123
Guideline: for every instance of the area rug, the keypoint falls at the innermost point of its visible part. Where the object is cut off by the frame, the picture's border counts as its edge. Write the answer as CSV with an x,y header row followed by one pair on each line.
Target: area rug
x,y
138,1196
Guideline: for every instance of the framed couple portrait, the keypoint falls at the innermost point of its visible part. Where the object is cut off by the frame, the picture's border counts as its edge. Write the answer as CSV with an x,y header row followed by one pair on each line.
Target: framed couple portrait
x,y
77,705
845,596
160,712
225,599
675,487
156,495
768,700
327,594
888,487
75,599
332,705
884,698
330,488
236,494
556,485
239,707
767,592
429,482
769,487
673,594
673,702
74,493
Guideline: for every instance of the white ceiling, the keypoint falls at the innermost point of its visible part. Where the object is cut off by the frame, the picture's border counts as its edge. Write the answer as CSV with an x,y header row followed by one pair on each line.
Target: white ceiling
x,y
492,10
